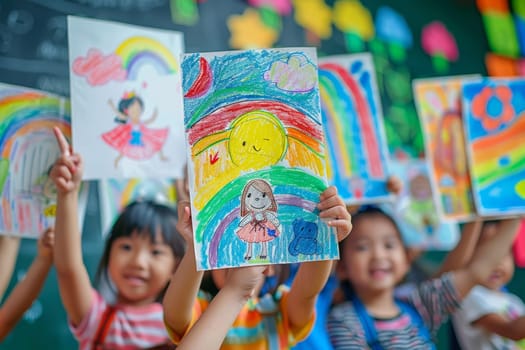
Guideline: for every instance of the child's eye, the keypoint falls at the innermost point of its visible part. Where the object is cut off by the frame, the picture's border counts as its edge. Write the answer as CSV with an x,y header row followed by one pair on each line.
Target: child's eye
x,y
157,252
125,246
390,245
361,247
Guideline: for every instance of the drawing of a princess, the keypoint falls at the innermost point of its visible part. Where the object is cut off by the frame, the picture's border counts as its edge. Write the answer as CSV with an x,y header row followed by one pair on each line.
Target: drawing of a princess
x,y
259,223
132,138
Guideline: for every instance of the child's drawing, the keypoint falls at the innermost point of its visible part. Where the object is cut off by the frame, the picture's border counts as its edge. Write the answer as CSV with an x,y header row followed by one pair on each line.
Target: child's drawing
x,y
28,150
259,223
494,113
438,103
256,157
127,107
353,121
415,211
115,194
132,137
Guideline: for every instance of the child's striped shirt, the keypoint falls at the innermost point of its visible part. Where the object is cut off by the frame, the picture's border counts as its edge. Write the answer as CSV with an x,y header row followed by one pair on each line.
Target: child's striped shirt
x,y
133,327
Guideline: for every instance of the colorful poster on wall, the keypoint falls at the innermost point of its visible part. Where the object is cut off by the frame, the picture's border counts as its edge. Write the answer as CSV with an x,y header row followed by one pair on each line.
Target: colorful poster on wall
x,y
28,151
115,194
353,122
438,103
256,157
126,98
415,209
494,116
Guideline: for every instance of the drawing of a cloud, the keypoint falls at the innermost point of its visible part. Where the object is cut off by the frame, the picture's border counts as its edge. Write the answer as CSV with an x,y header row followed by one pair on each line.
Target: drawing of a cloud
x,y
99,69
297,74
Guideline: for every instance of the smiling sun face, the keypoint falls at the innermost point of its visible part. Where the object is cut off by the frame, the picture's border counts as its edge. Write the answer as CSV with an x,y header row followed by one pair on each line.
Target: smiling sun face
x,y
257,139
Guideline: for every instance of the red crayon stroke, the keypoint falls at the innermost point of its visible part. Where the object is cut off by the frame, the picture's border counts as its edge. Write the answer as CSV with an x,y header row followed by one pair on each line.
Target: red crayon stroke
x,y
364,114
221,118
99,69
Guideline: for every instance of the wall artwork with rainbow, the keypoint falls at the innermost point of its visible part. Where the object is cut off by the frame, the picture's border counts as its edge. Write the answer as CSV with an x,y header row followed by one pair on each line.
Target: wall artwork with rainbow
x,y
256,157
494,113
438,101
29,150
126,99
353,121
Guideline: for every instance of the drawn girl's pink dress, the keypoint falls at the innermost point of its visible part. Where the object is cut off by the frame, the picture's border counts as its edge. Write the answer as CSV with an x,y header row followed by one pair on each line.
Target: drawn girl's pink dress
x,y
257,231
136,141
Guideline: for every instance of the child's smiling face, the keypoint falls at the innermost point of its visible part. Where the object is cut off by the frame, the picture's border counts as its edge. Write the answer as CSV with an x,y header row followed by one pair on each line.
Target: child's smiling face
x,y
374,257
256,200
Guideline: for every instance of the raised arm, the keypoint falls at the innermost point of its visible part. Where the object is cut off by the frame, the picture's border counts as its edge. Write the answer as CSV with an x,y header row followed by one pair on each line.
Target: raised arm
x,y
73,279
8,253
459,257
487,255
497,324
185,283
212,327
312,276
28,289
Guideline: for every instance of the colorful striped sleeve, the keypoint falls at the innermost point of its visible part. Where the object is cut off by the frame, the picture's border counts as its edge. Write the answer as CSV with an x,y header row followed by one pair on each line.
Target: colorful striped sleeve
x,y
435,300
200,304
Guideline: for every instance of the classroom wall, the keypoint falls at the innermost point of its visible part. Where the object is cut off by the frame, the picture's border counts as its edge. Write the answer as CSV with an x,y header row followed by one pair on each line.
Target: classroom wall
x,y
33,53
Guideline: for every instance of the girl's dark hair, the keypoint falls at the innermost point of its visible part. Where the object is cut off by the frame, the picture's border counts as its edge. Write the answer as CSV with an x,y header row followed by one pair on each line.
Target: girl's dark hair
x,y
365,212
143,217
124,104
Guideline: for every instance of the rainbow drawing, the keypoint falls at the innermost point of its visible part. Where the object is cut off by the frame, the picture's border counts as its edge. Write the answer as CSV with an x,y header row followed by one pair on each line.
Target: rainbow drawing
x,y
438,102
28,149
115,194
247,124
126,80
138,51
494,113
357,162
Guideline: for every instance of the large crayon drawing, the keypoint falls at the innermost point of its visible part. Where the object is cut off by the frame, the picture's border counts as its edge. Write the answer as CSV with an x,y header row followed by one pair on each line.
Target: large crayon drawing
x,y
126,99
494,113
256,157
438,102
28,151
351,109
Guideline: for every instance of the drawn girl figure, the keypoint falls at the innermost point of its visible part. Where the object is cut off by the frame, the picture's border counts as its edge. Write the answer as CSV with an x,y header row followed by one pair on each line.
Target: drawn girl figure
x,y
132,138
259,223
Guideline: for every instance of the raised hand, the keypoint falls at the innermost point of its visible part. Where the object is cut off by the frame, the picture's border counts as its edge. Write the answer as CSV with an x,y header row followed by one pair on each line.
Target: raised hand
x,y
184,224
333,210
394,185
46,242
245,280
67,170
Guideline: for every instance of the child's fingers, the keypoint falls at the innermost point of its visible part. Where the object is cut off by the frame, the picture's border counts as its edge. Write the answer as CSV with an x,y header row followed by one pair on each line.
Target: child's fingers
x,y
183,209
62,183
62,142
329,192
331,201
335,213
49,239
64,171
